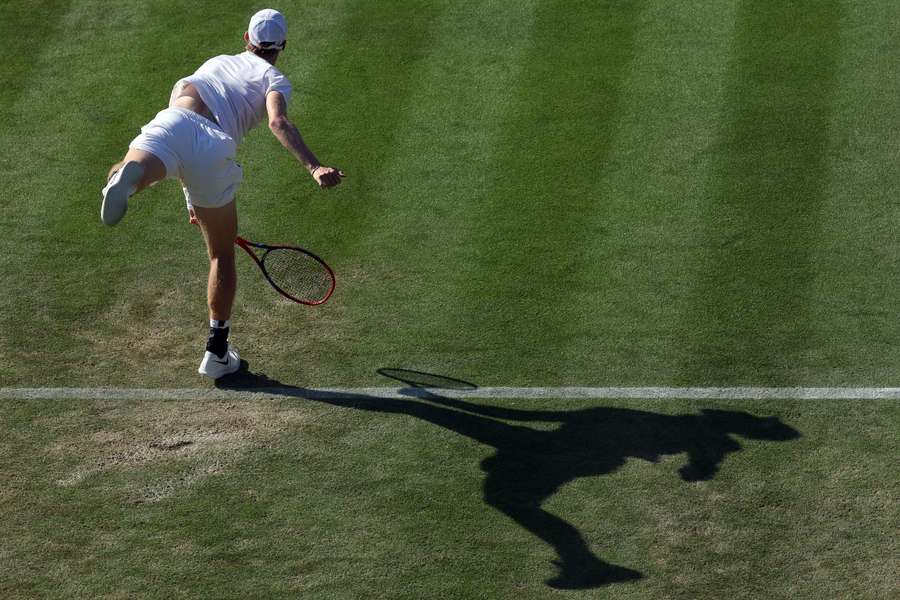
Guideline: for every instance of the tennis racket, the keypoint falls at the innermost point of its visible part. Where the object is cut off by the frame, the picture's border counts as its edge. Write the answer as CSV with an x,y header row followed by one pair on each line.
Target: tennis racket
x,y
295,273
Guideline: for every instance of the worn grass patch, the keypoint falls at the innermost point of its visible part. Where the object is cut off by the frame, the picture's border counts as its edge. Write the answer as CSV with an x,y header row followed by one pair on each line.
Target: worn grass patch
x,y
187,442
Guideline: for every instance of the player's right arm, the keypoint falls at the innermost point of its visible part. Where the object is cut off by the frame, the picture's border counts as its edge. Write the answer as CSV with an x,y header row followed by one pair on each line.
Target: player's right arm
x,y
289,136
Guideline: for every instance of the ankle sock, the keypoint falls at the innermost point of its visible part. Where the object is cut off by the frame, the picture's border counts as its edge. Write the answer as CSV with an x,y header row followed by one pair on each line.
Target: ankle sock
x,y
217,343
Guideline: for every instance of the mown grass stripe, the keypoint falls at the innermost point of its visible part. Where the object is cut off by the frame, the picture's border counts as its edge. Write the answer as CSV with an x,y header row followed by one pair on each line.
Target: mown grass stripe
x,y
858,274
521,250
625,326
20,58
421,184
750,318
505,393
351,107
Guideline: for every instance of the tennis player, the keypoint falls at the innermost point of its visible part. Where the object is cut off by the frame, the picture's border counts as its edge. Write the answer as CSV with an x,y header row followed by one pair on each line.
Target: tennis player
x,y
195,141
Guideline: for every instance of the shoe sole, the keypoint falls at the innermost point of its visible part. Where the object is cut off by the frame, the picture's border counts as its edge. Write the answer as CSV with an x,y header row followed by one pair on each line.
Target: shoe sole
x,y
115,201
219,376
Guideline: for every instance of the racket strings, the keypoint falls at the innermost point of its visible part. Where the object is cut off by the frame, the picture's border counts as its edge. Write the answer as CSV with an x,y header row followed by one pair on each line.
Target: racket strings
x,y
298,274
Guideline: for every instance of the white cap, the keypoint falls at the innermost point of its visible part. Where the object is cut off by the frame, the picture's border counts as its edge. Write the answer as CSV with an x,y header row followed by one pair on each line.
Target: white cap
x,y
267,29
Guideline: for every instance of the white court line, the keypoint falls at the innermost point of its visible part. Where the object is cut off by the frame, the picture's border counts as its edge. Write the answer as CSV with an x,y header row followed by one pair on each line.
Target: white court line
x,y
535,393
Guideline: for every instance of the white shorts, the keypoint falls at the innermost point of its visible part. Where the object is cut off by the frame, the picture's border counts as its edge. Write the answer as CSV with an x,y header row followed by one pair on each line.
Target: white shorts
x,y
197,152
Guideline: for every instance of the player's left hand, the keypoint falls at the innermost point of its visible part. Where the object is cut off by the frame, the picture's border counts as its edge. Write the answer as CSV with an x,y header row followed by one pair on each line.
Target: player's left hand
x,y
192,218
327,177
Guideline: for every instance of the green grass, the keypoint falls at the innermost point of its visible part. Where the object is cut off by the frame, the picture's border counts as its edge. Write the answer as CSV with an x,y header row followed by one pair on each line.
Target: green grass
x,y
540,193
353,498
569,193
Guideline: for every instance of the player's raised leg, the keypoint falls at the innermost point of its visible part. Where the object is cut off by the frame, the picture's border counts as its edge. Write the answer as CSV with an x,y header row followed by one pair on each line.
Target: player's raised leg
x,y
219,226
129,176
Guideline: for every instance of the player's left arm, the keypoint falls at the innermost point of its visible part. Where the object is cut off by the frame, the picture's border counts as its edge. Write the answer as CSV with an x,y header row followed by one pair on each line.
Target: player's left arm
x,y
289,136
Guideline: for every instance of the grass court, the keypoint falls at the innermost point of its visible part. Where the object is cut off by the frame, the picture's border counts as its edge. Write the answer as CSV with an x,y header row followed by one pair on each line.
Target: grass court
x,y
540,193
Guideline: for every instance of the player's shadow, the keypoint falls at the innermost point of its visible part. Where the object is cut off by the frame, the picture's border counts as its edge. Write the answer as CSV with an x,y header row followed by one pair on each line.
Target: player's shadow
x,y
530,465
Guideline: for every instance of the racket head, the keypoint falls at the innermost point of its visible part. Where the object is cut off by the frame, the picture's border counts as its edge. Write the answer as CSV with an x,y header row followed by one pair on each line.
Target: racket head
x,y
296,273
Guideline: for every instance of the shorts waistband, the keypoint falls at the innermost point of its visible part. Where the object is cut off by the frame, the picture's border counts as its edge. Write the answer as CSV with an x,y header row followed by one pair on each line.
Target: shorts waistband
x,y
195,116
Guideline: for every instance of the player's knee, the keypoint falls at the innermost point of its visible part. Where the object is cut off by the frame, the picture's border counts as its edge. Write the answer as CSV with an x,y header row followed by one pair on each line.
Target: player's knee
x,y
224,259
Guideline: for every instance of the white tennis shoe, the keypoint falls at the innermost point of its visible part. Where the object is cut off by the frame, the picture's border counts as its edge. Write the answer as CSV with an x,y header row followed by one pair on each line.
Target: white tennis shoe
x,y
120,186
214,367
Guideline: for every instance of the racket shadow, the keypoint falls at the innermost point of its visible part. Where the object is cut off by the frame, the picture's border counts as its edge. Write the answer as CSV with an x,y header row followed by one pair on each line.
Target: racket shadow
x,y
530,465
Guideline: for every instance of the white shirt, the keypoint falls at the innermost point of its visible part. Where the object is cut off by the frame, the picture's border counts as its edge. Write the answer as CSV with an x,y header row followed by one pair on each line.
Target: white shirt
x,y
234,88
